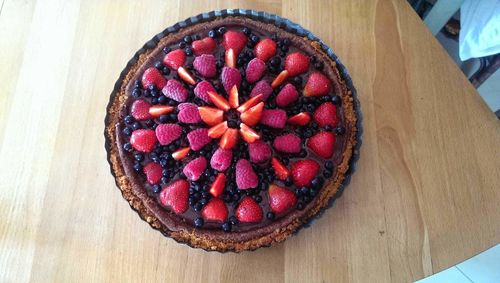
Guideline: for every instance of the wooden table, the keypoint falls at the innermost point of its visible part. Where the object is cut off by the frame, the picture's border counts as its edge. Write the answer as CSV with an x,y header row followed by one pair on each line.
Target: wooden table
x,y
425,195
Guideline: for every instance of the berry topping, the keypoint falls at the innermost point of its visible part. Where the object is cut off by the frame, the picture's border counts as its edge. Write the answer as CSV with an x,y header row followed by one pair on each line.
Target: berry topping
x,y
289,143
217,130
195,168
203,46
281,199
219,101
259,151
280,169
326,115
300,119
198,138
252,116
153,173
153,77
274,118
248,134
230,77
317,85
175,90
229,139
181,153
322,144
234,40
280,78
140,110
211,116
205,65
255,70
230,58
185,76
234,97
175,59
304,171
218,185
288,94
143,140
245,176
201,90
188,113
296,64
249,211
221,160
176,196
250,103
167,133
262,87
157,110
215,211
265,49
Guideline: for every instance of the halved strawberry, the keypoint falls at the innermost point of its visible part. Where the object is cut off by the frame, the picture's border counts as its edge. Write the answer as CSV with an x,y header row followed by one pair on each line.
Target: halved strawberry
x,y
317,85
248,134
234,97
251,117
229,139
250,103
175,59
157,110
249,211
140,110
218,185
296,63
230,58
322,144
215,210
186,76
301,119
281,199
265,49
181,153
217,130
143,140
203,46
211,116
279,79
304,171
153,173
280,169
326,115
218,101
153,77
176,196
235,40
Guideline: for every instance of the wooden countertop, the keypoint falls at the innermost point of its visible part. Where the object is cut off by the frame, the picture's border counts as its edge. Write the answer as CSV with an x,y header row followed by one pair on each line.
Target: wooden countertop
x,y
425,195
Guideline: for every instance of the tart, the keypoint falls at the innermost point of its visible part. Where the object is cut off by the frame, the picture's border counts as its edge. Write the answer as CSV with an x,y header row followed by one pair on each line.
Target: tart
x,y
230,132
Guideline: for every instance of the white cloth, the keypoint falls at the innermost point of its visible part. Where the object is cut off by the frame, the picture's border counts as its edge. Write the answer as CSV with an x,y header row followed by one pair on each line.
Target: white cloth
x,y
480,28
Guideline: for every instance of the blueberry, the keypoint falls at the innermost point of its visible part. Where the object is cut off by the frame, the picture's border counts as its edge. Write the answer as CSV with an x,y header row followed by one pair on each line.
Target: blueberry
x,y
165,70
158,65
275,61
233,220
306,198
284,48
286,41
328,128
219,64
280,43
163,162
129,119
339,131
274,37
329,165
270,215
150,123
304,190
226,227
182,44
187,39
173,117
314,125
204,201
283,54
319,65
297,81
196,37
156,189
137,167
310,108
188,51
239,62
221,30
127,147
127,131
166,49
285,160
288,182
336,100
246,31
313,59
162,99
136,126
254,38
139,157
137,84
198,222
163,118
327,174
257,198
198,207
136,92
212,33
317,183
300,205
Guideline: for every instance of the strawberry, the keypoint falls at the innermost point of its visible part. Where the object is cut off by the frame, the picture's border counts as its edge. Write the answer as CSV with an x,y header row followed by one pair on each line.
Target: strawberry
x,y
248,134
288,94
180,153
205,65
175,90
186,76
249,103
230,77
229,139
211,116
218,130
255,69
234,97
176,196
249,211
140,110
252,116
289,143
153,172
265,49
203,46
262,87
174,59
280,169
201,90
317,85
281,199
259,151
157,110
198,138
195,168
279,79
304,171
219,101
143,140
296,64
235,40
230,58
153,77
322,144
274,118
301,119
188,113
218,185
167,133
215,211
326,115
245,176
221,159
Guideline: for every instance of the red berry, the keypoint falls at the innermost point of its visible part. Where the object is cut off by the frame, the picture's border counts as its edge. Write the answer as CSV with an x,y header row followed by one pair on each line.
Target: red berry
x,y
201,90
203,46
221,159
288,94
195,168
175,90
322,144
296,64
326,115
140,110
259,152
301,119
215,210
249,211
143,140
188,113
265,49
176,196
245,176
205,65
317,85
153,172
281,199
280,169
153,77
235,40
262,87
274,118
175,59
304,171
255,69
289,143
198,138
229,78
167,133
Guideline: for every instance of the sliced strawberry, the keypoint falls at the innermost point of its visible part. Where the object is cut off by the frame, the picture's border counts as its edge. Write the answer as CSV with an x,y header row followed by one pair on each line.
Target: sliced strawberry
x,y
140,110
281,199
317,85
181,153
229,139
301,119
235,40
326,115
251,117
153,172
215,210
280,169
176,196
304,171
211,116
322,144
157,110
234,97
265,49
248,134
217,130
296,64
249,211
219,101
143,140
230,58
175,59
203,46
218,185
279,79
153,77
250,103
186,76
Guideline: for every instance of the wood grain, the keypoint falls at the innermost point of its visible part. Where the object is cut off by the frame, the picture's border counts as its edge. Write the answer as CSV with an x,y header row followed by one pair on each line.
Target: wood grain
x,y
425,195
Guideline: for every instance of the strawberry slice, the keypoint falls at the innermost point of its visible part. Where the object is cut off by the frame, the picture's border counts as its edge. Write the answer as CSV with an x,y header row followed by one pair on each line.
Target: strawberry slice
x,y
176,196
229,139
301,119
215,210
235,40
153,77
234,97
281,199
218,185
211,116
296,64
250,103
186,76
265,49
322,144
203,46
157,110
181,153
230,58
249,211
279,79
304,171
280,169
219,101
143,140
248,134
251,117
317,85
217,130
175,59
